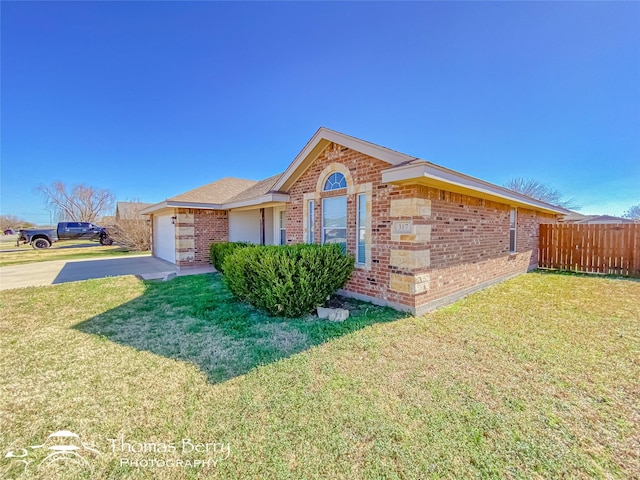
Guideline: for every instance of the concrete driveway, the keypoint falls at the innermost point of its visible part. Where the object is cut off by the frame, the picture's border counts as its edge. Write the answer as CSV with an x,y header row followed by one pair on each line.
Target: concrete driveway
x,y
62,271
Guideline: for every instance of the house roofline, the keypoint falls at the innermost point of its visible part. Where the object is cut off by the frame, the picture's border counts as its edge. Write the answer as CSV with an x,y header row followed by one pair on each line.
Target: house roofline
x,y
271,197
440,177
173,204
323,137
404,169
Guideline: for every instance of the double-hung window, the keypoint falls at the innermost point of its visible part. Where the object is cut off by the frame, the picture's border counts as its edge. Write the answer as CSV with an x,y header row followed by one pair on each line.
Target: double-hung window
x,y
334,221
283,227
361,230
311,218
513,220
334,212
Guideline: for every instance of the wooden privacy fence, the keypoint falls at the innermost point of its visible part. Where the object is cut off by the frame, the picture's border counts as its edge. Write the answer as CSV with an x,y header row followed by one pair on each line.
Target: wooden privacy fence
x,y
600,248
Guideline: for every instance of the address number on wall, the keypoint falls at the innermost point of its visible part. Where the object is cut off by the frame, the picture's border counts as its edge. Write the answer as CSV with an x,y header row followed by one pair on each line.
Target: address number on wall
x,y
402,227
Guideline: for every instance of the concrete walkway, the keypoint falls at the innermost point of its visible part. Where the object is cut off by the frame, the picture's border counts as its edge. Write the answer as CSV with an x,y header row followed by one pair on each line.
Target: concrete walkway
x,y
62,271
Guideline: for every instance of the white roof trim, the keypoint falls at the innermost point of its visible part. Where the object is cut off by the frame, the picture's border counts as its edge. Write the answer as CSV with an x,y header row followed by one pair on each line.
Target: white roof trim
x,y
174,204
267,198
327,135
429,171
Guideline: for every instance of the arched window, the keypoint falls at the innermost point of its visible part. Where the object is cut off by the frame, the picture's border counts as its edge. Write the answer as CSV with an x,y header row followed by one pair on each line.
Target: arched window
x,y
335,181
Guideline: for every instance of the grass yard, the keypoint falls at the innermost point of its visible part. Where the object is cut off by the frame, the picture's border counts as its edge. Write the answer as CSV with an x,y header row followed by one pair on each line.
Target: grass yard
x,y
67,250
536,377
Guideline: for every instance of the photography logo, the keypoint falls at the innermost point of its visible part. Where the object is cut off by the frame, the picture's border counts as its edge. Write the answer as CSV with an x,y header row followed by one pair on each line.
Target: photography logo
x,y
59,447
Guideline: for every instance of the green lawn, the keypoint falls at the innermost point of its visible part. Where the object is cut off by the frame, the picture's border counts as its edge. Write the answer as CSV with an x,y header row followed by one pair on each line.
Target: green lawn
x,y
67,250
536,377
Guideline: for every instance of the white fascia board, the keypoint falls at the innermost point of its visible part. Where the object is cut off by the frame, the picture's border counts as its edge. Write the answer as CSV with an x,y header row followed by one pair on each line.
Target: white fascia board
x,y
327,135
201,206
174,204
154,208
268,198
429,171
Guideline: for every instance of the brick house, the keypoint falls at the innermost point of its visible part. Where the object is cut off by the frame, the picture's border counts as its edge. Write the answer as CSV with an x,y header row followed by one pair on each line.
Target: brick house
x,y
422,235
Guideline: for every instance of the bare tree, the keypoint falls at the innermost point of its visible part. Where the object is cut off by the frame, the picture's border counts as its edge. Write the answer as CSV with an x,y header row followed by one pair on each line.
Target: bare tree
x,y
131,229
633,212
534,189
14,222
81,203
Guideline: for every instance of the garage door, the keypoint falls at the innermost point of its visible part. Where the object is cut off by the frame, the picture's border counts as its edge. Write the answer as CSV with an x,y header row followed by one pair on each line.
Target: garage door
x,y
164,238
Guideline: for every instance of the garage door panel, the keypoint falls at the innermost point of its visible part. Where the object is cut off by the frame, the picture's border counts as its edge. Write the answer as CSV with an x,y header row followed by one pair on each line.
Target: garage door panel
x,y
165,238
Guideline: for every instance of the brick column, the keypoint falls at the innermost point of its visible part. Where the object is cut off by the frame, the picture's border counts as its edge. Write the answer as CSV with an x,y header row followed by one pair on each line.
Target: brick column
x,y
185,238
410,257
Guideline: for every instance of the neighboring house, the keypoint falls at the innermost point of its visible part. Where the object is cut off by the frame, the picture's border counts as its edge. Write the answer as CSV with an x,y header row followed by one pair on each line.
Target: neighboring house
x,y
130,211
107,221
422,235
579,219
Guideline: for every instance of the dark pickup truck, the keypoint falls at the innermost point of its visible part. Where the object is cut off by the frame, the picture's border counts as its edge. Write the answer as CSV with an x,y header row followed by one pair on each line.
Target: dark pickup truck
x,y
41,239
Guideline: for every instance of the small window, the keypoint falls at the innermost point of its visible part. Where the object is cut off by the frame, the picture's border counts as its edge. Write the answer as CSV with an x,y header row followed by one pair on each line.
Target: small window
x,y
283,227
361,230
513,217
334,221
73,225
336,181
311,216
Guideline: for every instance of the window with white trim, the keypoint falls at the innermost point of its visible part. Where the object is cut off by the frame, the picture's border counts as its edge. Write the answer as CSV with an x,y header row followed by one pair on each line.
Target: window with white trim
x,y
282,224
513,220
361,229
334,221
311,218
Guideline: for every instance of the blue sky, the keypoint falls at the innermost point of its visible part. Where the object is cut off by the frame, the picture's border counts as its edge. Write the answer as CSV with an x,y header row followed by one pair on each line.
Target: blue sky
x,y
151,99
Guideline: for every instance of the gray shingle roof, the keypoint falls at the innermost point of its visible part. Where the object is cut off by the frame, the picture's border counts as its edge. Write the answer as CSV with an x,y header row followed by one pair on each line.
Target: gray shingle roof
x,y
257,190
217,192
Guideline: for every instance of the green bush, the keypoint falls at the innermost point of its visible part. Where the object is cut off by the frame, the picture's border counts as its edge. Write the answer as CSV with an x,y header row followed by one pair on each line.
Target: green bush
x,y
218,251
287,280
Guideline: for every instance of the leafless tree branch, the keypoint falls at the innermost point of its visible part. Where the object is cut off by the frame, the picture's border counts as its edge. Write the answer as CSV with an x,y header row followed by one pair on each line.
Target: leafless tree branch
x,y
81,203
534,189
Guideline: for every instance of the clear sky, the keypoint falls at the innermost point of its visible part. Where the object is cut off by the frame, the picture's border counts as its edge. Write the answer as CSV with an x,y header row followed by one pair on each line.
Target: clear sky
x,y
151,99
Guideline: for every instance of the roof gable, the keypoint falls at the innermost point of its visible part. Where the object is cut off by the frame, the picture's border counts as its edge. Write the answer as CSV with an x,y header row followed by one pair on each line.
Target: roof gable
x,y
320,140
405,169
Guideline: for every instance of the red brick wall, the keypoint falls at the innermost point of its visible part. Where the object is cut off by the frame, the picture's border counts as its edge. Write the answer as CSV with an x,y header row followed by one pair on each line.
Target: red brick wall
x,y
363,169
210,226
469,243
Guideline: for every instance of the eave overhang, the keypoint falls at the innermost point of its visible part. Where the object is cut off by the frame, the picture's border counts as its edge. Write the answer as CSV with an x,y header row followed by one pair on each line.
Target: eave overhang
x,y
429,174
269,199
262,201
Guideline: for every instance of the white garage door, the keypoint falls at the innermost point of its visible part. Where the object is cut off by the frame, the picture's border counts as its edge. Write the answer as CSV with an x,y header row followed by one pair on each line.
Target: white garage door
x,y
244,226
165,238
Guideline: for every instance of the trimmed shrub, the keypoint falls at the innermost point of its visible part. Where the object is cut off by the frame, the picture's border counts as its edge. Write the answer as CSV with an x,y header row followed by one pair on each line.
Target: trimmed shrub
x,y
287,280
218,251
